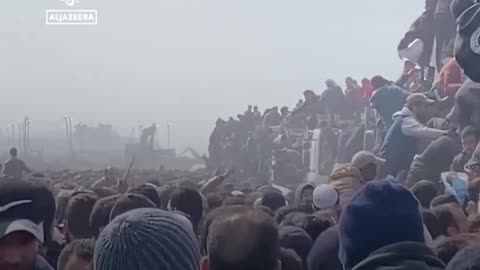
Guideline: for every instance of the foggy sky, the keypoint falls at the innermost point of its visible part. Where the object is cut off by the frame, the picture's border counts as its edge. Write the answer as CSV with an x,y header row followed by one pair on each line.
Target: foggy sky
x,y
187,62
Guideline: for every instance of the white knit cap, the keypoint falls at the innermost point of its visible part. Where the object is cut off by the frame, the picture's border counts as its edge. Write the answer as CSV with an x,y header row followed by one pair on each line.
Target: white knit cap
x,y
325,196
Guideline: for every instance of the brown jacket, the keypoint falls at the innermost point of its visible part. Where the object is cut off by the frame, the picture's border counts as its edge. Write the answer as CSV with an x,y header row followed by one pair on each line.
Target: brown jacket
x,y
347,180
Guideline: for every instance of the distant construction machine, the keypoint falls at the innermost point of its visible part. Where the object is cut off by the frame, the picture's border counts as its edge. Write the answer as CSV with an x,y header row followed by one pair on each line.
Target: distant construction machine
x,y
145,154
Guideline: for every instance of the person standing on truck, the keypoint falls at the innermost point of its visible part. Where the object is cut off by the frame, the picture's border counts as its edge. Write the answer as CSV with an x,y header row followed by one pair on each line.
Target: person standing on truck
x,y
400,144
387,99
15,167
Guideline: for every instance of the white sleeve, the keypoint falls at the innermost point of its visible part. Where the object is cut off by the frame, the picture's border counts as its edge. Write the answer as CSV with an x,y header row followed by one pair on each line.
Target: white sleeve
x,y
411,127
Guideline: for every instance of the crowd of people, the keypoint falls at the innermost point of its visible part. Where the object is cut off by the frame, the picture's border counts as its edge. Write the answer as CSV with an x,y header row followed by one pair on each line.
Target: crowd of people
x,y
411,201
254,139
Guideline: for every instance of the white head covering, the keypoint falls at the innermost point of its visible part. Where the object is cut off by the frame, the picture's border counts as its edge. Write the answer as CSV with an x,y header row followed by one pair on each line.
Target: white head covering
x,y
325,196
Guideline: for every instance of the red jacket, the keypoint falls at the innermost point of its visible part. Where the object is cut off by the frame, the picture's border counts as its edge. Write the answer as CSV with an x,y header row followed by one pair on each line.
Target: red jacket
x,y
367,93
450,78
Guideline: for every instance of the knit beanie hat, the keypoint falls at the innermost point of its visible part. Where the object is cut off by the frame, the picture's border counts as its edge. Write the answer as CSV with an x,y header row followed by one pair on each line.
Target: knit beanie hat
x,y
380,214
147,239
467,43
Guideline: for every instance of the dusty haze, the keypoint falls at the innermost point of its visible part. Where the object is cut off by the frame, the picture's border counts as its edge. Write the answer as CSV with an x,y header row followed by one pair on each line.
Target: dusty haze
x,y
187,62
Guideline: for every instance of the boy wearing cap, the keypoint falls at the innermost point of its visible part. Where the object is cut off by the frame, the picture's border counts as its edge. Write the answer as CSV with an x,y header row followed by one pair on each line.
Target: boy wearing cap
x,y
400,144
26,210
367,163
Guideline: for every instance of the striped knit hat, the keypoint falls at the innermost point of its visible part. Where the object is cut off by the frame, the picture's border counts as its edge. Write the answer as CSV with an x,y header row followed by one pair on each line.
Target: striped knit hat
x,y
147,239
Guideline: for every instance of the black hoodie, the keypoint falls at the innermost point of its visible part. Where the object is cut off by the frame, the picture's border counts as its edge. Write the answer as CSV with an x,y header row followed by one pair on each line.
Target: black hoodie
x,y
324,252
436,158
402,256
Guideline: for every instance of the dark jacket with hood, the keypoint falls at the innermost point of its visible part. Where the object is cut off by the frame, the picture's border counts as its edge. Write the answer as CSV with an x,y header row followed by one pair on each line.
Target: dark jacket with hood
x,y
422,28
334,100
436,159
299,193
467,106
402,256
324,252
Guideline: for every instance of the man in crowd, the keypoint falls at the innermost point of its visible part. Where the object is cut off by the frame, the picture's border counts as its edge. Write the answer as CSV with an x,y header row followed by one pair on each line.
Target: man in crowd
x,y
188,201
368,164
249,112
311,105
367,90
396,237
78,255
466,111
27,211
333,100
304,195
470,139
284,113
248,239
77,217
467,47
435,159
400,144
130,201
387,99
257,116
147,239
272,118
15,167
450,79
354,98
445,30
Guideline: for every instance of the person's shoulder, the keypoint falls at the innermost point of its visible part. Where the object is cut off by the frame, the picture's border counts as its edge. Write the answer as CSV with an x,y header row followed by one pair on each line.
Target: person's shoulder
x,y
395,88
468,85
42,264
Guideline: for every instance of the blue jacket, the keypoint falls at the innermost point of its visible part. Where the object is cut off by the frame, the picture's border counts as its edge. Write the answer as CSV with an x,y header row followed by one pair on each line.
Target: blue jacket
x,y
398,149
388,100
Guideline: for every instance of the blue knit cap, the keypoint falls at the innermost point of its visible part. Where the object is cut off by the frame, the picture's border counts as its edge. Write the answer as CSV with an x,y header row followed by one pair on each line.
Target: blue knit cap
x,y
147,239
380,214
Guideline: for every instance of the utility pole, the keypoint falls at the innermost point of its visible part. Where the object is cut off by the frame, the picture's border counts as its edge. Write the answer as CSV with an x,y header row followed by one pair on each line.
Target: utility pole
x,y
13,135
68,128
71,135
19,137
8,136
168,135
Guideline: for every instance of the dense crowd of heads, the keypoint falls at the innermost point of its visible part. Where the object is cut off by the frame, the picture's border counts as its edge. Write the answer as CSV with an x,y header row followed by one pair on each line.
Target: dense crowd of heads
x,y
221,225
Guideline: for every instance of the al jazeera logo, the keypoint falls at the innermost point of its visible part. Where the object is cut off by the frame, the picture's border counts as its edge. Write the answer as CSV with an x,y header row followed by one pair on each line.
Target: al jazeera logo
x,y
71,16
